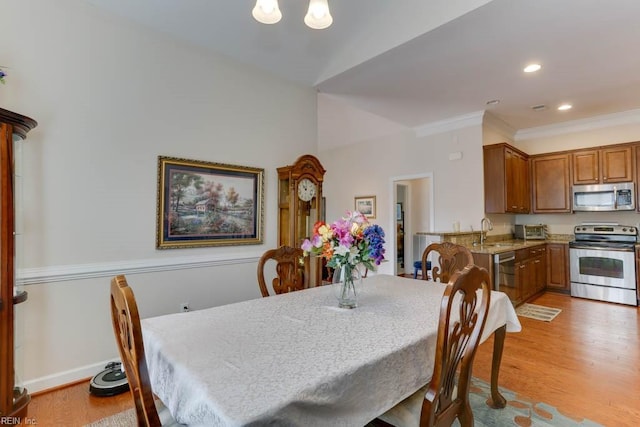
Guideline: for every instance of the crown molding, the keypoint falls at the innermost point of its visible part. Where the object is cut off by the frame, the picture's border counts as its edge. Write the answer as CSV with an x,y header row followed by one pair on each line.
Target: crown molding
x,y
580,125
453,123
499,125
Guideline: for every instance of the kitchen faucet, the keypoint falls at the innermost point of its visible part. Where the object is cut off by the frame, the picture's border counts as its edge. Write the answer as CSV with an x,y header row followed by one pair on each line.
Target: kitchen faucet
x,y
484,221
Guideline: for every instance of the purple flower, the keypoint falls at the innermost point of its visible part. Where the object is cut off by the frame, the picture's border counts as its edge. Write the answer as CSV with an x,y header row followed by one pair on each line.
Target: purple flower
x,y
374,236
306,245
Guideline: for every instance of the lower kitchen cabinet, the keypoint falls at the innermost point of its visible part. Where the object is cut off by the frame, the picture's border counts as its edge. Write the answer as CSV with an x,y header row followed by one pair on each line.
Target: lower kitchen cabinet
x,y
558,267
536,269
530,272
540,267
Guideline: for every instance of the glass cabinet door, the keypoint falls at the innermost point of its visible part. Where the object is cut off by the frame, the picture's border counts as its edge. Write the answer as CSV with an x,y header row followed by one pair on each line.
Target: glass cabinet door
x,y
18,289
283,211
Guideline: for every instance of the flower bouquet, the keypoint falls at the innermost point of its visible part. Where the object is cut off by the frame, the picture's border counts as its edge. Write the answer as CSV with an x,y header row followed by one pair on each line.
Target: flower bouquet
x,y
346,244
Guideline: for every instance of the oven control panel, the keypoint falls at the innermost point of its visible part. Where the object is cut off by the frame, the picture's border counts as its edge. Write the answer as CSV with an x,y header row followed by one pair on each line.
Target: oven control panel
x,y
620,230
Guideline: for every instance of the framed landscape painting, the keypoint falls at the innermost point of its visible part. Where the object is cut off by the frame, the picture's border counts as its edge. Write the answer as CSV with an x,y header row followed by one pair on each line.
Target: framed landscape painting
x,y
366,205
208,204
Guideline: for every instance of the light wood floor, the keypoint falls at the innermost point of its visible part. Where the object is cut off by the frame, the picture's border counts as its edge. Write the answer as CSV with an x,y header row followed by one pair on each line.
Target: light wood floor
x,y
586,363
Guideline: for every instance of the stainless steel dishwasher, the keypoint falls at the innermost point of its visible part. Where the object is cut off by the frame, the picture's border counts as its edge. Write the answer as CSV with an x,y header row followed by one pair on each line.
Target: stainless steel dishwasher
x,y
505,278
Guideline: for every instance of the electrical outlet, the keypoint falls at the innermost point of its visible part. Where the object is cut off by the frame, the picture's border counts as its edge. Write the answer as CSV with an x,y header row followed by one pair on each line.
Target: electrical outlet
x,y
184,307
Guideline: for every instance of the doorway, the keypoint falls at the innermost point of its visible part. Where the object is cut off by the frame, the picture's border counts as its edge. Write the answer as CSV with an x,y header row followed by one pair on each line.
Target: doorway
x,y
413,212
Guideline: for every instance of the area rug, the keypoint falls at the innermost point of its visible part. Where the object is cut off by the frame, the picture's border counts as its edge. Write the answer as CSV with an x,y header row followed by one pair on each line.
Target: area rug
x,y
538,312
519,411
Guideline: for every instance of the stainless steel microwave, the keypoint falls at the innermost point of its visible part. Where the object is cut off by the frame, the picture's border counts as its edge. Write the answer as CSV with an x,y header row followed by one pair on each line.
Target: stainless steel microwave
x,y
530,231
604,197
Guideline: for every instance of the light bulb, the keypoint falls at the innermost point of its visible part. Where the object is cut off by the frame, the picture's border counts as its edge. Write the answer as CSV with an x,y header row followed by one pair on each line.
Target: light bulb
x,y
267,11
318,15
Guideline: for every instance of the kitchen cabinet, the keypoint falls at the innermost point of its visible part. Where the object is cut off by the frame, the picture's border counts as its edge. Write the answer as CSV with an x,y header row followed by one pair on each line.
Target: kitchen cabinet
x,y
551,184
539,255
506,179
603,166
522,271
485,261
558,267
530,273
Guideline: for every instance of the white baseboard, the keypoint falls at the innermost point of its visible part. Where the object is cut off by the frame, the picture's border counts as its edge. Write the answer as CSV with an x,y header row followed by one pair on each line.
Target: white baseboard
x,y
65,377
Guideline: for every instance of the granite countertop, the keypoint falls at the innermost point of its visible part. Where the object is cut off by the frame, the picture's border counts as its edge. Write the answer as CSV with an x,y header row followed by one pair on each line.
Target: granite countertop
x,y
495,243
509,245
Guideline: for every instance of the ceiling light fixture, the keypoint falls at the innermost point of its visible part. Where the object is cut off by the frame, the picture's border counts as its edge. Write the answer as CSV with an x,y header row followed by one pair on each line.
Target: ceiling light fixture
x,y
493,102
318,16
532,68
267,11
565,107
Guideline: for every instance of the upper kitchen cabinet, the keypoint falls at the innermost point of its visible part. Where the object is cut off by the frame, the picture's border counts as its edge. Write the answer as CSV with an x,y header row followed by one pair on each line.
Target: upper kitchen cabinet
x,y
603,166
551,183
506,179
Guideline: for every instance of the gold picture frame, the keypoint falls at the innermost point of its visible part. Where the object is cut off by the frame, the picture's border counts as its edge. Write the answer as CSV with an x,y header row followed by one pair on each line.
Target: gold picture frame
x,y
208,204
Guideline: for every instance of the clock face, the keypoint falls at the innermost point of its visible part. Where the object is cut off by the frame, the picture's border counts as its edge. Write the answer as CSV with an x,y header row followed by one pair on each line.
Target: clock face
x,y
306,190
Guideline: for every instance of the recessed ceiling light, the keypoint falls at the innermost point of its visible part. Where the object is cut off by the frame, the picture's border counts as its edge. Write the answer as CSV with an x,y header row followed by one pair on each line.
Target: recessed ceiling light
x,y
539,107
493,102
565,107
532,68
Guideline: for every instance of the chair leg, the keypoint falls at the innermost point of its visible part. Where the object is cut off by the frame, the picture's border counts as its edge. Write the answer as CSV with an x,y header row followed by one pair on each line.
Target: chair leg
x,y
466,416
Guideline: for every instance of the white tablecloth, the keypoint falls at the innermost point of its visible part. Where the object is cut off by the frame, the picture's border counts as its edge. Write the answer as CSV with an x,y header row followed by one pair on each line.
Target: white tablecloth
x,y
298,360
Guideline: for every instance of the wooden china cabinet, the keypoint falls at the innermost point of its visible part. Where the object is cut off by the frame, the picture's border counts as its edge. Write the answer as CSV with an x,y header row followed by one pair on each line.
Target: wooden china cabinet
x,y
14,399
300,204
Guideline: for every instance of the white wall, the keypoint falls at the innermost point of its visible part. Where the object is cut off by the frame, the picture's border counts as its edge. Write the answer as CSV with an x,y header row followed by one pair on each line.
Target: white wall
x,y
109,98
369,167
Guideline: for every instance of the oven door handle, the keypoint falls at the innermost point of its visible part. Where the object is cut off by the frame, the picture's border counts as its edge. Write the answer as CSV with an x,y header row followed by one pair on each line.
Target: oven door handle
x,y
600,248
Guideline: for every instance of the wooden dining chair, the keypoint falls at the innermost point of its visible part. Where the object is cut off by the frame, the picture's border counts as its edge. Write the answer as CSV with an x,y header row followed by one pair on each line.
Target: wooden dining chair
x,y
451,258
128,332
463,314
292,270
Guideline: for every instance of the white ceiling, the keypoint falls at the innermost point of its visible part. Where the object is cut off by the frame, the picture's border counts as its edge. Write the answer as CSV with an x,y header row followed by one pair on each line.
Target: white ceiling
x,y
422,61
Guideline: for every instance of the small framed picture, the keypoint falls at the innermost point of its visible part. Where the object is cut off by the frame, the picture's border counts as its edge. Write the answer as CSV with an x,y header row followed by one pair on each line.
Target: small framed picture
x,y
366,205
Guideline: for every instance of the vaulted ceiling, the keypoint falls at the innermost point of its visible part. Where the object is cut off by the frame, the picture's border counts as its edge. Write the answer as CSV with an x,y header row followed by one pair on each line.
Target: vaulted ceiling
x,y
416,62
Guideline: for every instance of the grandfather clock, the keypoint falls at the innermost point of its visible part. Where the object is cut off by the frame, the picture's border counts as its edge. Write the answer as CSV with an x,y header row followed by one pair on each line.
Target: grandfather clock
x,y
300,204
14,127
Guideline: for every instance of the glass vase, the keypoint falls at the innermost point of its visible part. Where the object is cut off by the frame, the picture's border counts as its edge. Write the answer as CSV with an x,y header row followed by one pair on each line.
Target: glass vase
x,y
347,283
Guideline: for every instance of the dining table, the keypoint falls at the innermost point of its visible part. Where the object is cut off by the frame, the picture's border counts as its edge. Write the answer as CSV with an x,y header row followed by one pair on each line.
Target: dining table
x,y
296,359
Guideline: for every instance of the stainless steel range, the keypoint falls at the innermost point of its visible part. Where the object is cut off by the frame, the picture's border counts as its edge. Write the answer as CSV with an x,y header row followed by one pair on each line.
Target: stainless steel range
x,y
602,262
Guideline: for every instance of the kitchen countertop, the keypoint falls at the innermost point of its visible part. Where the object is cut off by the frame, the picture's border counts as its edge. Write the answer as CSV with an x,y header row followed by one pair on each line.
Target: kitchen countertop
x,y
509,245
